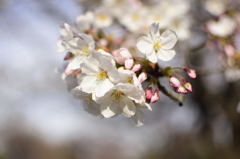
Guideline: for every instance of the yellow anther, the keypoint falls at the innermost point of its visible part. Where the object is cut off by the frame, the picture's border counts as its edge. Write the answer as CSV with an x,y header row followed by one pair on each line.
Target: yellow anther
x,y
85,50
102,17
135,17
130,80
101,75
156,45
117,94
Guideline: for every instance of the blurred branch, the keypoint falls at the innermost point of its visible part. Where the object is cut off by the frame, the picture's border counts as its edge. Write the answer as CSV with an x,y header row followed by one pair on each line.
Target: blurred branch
x,y
175,97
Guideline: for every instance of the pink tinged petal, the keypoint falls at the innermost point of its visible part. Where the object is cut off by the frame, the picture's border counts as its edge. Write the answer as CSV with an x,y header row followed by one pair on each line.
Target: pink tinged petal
x,y
73,65
136,67
129,64
168,39
174,82
129,108
191,72
144,45
152,57
229,49
142,77
103,87
188,86
155,96
148,93
121,55
166,55
88,84
181,89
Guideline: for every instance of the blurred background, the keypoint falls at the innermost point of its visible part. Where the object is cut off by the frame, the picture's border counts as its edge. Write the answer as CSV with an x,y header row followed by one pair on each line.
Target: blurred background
x,y
39,118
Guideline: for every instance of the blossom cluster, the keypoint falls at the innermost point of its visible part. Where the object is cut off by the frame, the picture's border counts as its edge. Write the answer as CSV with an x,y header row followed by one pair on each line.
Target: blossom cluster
x,y
112,77
224,35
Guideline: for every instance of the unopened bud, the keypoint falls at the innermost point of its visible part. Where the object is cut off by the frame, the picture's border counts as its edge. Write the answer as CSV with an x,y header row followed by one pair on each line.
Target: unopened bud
x,y
155,96
191,72
229,49
181,89
174,82
188,86
128,64
136,67
148,93
142,77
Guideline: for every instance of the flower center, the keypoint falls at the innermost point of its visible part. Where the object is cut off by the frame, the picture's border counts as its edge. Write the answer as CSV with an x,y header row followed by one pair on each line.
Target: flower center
x,y
85,50
130,80
156,46
102,18
156,18
135,17
117,94
101,75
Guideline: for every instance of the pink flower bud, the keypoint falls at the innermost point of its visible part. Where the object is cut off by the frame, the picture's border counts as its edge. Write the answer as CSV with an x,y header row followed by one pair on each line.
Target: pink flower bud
x,y
174,82
121,55
136,67
142,77
188,86
148,93
128,64
181,89
191,72
103,42
229,49
155,96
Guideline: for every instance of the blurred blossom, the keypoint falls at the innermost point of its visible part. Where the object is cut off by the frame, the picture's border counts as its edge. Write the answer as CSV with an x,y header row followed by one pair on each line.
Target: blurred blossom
x,y
223,27
215,7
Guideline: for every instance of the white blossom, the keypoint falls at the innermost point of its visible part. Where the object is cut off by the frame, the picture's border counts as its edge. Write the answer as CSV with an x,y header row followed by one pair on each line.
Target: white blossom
x,y
98,74
215,7
222,28
85,21
157,46
120,99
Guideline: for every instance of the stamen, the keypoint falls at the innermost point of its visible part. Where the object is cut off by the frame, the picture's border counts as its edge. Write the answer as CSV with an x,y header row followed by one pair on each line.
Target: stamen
x,y
101,75
156,46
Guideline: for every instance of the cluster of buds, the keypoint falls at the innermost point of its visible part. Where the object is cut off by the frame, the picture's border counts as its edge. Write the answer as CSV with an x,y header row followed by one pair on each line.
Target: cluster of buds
x,y
114,80
179,84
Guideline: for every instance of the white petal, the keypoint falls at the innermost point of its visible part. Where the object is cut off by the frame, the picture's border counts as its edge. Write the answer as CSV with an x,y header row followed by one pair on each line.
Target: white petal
x,y
144,45
107,112
165,55
90,67
154,30
71,82
74,64
110,108
88,84
152,57
131,91
129,108
168,39
138,118
103,87
107,63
